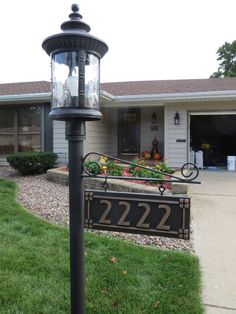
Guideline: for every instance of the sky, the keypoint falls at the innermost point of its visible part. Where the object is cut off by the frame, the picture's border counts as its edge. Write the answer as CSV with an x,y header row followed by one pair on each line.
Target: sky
x,y
147,40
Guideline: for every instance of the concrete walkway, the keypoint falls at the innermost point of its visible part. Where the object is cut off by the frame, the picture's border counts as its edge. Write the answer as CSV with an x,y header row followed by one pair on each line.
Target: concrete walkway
x,y
214,225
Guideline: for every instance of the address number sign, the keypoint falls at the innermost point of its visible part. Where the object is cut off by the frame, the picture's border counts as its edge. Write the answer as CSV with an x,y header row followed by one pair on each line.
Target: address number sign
x,y
165,216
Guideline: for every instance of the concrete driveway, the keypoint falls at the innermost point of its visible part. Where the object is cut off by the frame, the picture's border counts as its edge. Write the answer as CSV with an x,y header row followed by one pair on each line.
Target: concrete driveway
x,y
214,235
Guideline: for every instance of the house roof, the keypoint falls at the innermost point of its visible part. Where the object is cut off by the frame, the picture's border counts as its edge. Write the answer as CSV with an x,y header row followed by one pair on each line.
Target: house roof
x,y
169,86
162,90
133,87
25,88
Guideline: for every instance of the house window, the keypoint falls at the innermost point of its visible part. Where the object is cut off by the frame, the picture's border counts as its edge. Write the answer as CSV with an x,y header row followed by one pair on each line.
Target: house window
x,y
29,129
20,129
7,138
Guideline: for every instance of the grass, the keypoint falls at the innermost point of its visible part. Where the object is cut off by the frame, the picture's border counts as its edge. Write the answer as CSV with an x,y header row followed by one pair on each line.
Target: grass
x,y
121,277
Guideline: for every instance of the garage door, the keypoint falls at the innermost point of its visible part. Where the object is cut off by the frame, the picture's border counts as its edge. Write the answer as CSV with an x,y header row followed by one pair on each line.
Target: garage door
x,y
214,134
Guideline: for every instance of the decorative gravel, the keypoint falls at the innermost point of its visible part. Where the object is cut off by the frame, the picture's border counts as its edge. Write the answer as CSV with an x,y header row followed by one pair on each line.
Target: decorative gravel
x,y
50,201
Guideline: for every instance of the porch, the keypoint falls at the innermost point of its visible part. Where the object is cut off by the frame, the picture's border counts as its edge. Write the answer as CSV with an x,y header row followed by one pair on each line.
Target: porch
x,y
128,133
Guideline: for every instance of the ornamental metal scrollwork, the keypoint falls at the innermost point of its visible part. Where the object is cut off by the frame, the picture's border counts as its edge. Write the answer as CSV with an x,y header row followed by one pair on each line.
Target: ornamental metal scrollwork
x,y
191,168
189,172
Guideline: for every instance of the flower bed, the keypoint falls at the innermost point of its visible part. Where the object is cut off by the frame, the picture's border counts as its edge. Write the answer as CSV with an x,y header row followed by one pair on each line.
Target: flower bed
x,y
60,176
139,168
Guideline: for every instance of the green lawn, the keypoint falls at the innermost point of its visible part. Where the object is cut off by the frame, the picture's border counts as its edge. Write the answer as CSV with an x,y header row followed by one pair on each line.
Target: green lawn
x,y
121,277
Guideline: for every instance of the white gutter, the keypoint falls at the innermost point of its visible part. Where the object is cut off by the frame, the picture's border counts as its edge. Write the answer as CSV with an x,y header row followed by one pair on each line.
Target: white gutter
x,y
111,100
106,96
35,97
174,97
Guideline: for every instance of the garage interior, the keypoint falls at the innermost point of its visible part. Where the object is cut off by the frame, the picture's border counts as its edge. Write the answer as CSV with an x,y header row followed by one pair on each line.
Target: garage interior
x,y
215,135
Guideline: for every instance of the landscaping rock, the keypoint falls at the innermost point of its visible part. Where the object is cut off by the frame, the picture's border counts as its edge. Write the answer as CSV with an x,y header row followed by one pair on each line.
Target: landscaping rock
x,y
49,200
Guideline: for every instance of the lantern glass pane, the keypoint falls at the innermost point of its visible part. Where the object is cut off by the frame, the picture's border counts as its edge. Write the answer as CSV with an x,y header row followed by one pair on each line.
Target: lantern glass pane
x,y
65,79
92,80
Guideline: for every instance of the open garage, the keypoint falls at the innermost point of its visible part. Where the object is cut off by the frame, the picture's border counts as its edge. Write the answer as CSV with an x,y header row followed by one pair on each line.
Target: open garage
x,y
215,134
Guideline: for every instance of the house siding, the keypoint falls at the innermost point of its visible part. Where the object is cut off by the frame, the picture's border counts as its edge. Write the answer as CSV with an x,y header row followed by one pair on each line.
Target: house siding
x,y
146,134
176,152
97,137
60,144
113,117
48,129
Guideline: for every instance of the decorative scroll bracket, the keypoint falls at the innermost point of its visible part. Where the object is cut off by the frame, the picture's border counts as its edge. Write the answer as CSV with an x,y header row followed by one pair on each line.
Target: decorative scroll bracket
x,y
170,178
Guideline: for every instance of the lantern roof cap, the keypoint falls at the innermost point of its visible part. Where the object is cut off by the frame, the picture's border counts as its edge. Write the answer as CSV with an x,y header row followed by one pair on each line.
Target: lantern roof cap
x,y
75,36
75,22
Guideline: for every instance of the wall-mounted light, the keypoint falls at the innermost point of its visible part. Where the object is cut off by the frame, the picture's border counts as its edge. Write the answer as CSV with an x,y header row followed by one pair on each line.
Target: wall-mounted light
x,y
154,126
177,118
154,118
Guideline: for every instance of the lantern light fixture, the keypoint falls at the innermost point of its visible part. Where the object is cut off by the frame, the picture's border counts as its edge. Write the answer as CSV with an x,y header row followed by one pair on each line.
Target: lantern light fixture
x,y
154,118
177,118
154,126
75,55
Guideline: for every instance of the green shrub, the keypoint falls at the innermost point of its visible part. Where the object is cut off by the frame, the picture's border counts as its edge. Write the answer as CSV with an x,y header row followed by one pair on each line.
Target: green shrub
x,y
164,168
136,161
114,169
29,163
93,167
144,173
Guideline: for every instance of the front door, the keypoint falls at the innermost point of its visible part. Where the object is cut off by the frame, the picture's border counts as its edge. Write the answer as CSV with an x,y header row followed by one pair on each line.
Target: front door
x,y
129,132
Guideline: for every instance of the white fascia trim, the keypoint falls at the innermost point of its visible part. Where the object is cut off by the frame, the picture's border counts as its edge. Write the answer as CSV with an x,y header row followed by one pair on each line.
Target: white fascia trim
x,y
113,100
174,97
179,96
106,96
42,97
36,97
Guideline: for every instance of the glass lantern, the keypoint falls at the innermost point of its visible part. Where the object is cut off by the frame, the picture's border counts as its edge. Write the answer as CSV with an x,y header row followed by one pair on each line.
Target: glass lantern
x,y
176,118
75,55
74,84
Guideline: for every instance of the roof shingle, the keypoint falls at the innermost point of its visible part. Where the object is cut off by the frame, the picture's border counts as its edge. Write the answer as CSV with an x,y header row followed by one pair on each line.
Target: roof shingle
x,y
25,88
169,86
132,88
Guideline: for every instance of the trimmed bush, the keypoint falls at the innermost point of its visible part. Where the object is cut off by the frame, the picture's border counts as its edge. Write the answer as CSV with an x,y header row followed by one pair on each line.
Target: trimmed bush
x,y
30,163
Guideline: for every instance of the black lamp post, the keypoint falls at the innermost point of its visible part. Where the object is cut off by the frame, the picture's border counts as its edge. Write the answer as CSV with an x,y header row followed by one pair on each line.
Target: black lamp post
x,y
75,58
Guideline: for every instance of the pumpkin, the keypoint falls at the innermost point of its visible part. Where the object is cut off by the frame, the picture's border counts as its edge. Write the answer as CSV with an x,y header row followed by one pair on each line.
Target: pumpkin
x,y
145,152
147,155
157,156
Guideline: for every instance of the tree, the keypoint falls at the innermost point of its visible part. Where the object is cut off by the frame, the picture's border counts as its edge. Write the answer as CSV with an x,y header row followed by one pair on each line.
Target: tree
x,y
227,58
